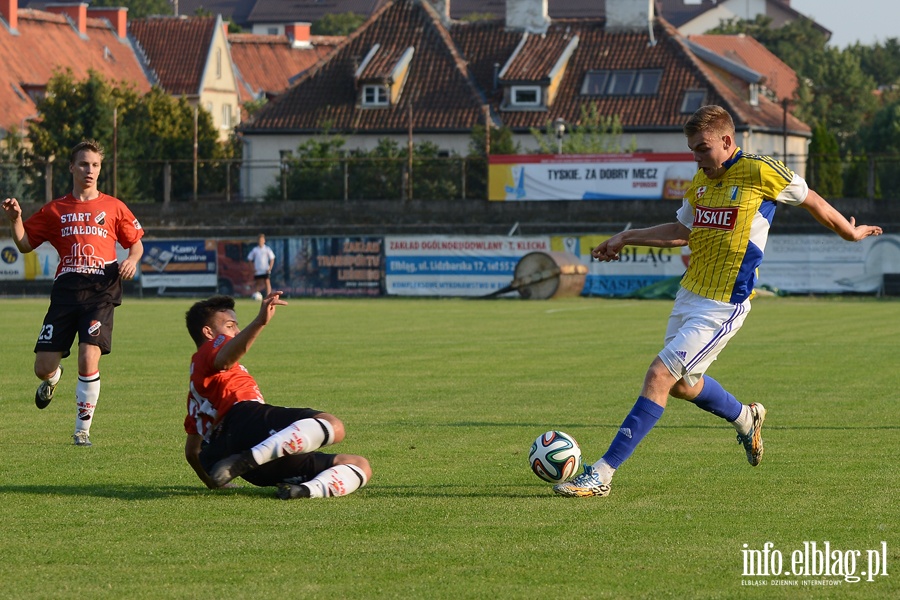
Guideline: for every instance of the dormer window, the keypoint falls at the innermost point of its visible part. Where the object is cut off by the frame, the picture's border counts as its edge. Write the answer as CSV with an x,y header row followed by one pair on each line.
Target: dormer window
x,y
623,82
525,96
692,100
374,95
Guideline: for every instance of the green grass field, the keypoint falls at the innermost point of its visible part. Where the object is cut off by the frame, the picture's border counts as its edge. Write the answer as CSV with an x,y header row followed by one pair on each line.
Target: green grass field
x,y
445,397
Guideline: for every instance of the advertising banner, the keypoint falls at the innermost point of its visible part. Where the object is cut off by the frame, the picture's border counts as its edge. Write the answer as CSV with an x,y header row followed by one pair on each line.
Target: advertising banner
x,y
179,264
437,265
637,268
38,265
335,266
828,264
590,176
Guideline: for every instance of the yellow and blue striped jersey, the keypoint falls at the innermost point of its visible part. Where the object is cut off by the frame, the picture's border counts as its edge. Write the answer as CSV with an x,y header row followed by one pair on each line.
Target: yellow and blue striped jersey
x,y
729,219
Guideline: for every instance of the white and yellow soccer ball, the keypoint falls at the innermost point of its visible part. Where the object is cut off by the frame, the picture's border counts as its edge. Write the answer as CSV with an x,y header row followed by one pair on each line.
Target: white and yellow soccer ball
x,y
555,456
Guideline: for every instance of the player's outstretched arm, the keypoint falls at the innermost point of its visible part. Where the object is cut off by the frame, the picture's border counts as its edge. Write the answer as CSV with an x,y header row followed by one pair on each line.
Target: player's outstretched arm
x,y
827,215
668,235
238,346
16,226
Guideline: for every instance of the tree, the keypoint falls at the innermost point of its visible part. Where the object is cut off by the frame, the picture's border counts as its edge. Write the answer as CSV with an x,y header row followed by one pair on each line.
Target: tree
x,y
13,181
834,90
70,112
337,24
825,163
314,172
842,96
160,129
881,140
592,134
152,129
880,62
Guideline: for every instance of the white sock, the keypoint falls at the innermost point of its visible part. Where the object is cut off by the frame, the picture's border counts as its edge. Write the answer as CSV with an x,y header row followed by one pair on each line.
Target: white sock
x,y
54,379
339,480
300,437
87,393
604,470
744,422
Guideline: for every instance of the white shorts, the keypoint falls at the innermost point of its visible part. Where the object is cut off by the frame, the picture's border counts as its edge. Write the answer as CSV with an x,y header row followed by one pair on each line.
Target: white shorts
x,y
698,329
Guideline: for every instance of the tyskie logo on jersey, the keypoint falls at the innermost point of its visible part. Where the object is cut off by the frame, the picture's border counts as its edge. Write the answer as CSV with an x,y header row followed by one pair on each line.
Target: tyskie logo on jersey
x,y
715,218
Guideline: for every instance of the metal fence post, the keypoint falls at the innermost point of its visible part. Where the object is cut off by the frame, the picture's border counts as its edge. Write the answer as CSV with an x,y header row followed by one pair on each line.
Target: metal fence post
x,y
167,183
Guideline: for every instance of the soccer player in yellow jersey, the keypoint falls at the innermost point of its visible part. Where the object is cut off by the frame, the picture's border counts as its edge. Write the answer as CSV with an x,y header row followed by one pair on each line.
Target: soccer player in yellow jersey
x,y
725,219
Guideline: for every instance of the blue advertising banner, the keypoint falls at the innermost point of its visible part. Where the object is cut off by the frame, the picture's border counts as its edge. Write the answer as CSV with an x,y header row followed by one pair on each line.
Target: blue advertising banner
x,y
179,264
335,266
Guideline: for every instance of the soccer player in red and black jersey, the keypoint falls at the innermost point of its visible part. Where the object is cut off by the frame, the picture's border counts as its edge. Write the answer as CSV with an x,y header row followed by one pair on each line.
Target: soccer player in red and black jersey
x,y
229,425
83,227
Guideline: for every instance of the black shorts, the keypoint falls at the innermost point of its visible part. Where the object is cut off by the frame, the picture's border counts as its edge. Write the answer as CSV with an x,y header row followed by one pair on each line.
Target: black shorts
x,y
261,277
249,423
93,323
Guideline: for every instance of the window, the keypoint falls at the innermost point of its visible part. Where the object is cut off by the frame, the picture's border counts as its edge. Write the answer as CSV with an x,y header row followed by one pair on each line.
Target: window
x,y
218,63
526,95
693,99
375,95
627,82
594,83
226,116
620,83
647,82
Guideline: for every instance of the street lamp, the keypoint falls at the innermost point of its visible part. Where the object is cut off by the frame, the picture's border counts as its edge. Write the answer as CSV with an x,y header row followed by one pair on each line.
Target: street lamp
x,y
560,127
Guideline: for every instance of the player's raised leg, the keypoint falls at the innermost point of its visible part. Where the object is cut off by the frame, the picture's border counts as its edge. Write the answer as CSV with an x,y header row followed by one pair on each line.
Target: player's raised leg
x,y
300,437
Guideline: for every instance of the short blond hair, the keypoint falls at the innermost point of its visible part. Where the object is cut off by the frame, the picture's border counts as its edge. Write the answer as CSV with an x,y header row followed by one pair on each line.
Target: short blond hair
x,y
710,118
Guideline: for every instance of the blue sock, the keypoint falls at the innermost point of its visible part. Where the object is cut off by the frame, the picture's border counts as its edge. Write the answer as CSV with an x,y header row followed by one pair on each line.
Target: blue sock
x,y
713,398
643,416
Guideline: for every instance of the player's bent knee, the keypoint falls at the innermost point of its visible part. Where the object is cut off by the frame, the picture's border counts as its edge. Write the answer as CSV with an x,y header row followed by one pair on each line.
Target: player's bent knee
x,y
357,461
336,425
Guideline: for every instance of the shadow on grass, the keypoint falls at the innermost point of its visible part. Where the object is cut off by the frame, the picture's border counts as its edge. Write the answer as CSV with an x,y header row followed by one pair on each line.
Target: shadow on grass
x,y
144,492
128,492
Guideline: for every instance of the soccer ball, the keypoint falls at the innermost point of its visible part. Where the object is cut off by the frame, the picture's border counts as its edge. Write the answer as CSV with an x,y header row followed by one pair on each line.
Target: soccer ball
x,y
256,296
555,456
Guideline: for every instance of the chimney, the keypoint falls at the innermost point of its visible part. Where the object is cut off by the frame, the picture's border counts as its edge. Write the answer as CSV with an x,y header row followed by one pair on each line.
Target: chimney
x,y
9,10
298,34
117,17
527,15
629,15
76,12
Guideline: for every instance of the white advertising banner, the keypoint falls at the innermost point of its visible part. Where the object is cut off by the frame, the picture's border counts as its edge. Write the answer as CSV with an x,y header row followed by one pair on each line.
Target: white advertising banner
x,y
590,176
436,265
828,264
